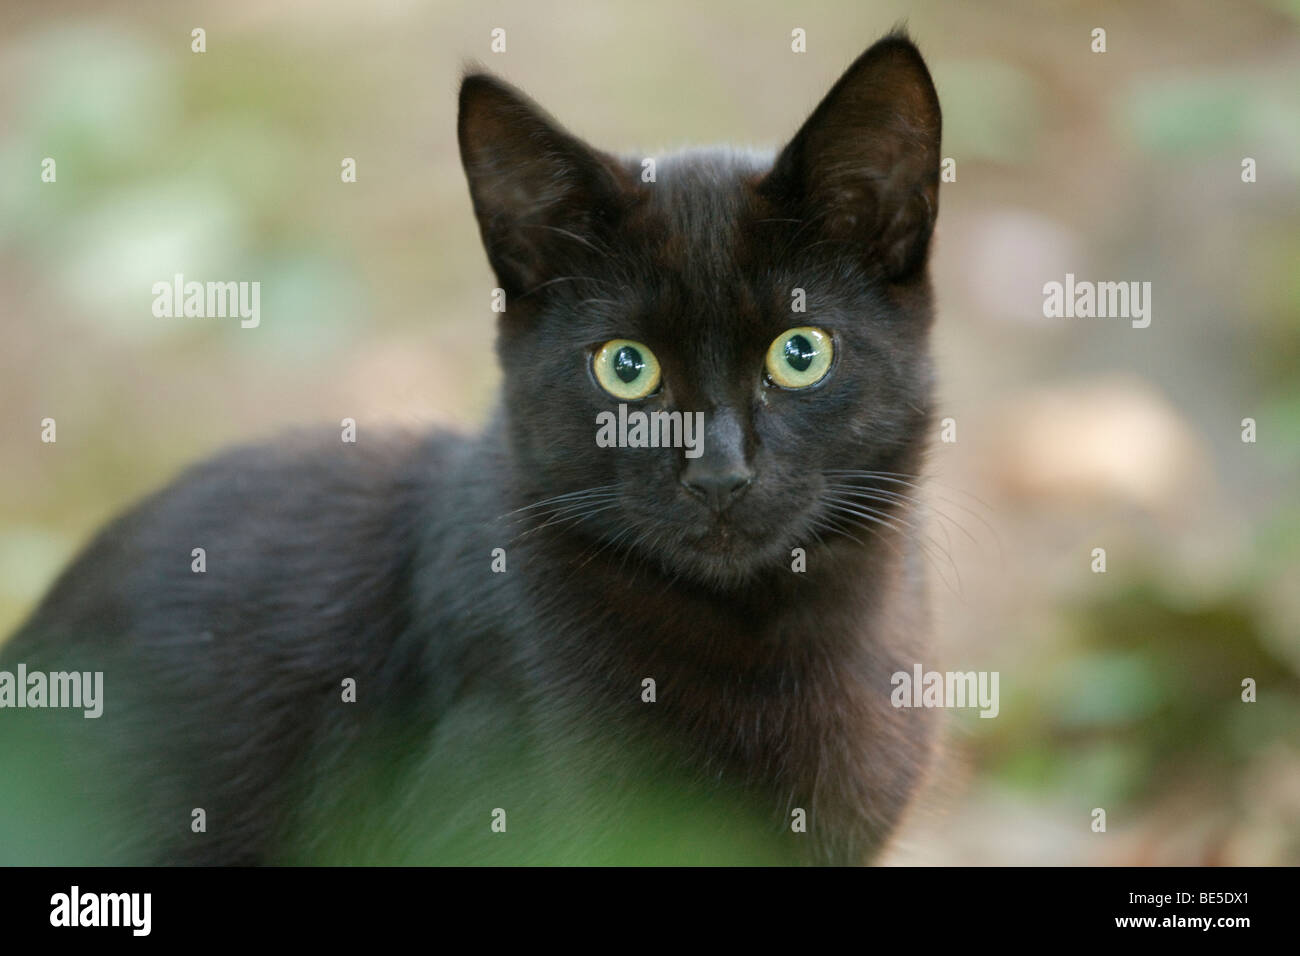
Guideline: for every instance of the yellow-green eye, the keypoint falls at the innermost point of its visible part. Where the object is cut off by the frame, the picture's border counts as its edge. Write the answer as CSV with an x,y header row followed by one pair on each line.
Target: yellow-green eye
x,y
626,369
799,358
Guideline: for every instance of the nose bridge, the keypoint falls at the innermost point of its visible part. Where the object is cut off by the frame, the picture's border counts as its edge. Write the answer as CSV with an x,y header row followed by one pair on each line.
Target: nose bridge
x,y
722,471
724,437
718,390
719,470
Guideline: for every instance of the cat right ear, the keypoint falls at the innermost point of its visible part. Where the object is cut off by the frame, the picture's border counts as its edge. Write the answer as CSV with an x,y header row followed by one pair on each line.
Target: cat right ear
x,y
865,166
544,199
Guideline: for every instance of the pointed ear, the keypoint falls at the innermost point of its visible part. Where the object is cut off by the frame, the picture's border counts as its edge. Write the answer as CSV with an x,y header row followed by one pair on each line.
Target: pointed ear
x,y
865,166
542,197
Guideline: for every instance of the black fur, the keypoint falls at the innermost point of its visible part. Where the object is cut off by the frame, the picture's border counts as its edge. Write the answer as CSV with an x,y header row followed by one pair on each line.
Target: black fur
x,y
523,690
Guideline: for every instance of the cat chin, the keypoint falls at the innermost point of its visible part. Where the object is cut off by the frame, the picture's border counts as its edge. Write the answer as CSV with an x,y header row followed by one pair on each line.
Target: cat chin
x,y
723,559
712,572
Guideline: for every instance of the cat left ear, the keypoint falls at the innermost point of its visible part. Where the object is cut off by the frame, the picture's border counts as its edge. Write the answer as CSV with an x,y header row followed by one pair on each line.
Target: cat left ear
x,y
865,165
542,197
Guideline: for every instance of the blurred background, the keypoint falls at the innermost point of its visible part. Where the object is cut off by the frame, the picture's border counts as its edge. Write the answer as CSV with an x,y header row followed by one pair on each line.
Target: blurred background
x,y
1119,690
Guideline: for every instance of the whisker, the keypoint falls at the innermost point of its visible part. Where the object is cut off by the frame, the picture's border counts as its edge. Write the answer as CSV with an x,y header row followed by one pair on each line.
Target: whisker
x,y
568,235
566,495
856,512
889,497
896,478
567,519
608,543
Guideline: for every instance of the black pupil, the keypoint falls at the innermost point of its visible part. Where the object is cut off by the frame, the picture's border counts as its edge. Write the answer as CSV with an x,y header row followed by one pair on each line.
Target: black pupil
x,y
628,364
799,353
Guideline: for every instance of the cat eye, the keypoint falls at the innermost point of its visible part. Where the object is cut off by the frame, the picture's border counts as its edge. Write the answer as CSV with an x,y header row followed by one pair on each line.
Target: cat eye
x,y
799,358
626,369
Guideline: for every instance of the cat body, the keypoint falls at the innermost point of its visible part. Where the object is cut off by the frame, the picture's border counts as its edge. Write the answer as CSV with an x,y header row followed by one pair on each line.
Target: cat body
x,y
522,646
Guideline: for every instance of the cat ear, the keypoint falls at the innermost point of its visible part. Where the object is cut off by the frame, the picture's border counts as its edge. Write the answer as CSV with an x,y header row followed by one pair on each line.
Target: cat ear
x,y
542,196
865,165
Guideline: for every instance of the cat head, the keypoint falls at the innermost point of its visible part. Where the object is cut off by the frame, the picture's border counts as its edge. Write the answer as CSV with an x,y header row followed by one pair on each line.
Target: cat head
x,y
782,299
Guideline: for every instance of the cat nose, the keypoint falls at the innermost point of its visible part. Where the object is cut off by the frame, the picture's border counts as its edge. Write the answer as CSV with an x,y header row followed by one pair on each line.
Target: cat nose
x,y
719,487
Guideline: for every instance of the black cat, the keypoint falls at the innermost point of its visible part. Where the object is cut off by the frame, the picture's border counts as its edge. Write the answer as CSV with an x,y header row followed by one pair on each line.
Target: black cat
x,y
527,645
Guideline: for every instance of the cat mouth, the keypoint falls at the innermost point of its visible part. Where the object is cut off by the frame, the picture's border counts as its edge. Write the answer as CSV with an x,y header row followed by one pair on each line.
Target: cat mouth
x,y
722,537
719,536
